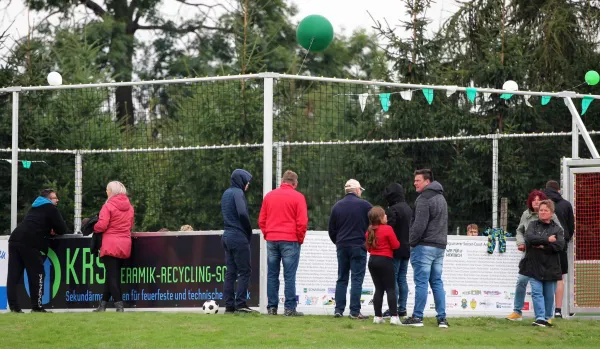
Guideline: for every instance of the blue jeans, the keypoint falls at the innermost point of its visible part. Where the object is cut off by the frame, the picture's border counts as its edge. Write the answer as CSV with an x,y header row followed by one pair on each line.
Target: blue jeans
x,y
542,294
237,257
427,263
351,259
400,270
288,253
520,292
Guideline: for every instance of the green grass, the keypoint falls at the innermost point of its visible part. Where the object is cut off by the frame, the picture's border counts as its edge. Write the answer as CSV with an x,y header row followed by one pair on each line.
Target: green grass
x,y
189,330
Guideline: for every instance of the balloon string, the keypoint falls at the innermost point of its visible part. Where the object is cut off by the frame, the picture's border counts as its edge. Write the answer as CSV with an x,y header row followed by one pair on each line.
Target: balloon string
x,y
306,55
583,83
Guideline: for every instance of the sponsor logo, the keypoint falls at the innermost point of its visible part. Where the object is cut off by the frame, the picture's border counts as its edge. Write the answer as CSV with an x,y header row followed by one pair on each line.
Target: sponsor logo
x,y
472,293
526,306
2,254
473,304
463,303
454,293
503,305
314,289
51,279
331,290
492,293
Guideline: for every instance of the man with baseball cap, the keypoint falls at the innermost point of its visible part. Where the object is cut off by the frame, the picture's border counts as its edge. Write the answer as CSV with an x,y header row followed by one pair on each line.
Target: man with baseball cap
x,y
347,226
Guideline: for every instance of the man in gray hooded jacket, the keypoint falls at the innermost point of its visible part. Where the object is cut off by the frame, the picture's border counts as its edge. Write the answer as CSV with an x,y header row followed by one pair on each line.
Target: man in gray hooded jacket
x,y
428,237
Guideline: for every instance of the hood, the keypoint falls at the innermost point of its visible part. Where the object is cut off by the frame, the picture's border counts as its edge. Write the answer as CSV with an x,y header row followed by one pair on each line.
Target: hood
x,y
239,178
394,194
434,186
120,202
40,200
553,195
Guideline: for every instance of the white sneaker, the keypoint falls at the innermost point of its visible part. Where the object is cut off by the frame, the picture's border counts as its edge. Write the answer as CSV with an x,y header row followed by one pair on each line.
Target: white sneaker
x,y
378,320
395,320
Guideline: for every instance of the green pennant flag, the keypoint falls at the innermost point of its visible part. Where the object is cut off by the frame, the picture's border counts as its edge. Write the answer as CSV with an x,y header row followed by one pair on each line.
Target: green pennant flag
x,y
471,93
384,98
546,99
585,103
428,92
506,96
26,164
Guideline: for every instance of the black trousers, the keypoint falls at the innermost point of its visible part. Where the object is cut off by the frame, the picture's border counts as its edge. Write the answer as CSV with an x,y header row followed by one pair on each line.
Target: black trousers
x,y
20,258
382,272
112,284
237,259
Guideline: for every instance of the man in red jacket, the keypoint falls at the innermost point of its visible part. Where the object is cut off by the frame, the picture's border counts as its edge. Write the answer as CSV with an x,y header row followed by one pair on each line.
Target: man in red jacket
x,y
283,221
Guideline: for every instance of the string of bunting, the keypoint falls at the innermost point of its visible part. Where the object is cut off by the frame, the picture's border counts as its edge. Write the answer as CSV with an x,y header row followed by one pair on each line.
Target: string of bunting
x,y
25,163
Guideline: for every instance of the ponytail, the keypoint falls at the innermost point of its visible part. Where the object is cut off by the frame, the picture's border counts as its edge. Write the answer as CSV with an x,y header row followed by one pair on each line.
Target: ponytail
x,y
371,237
375,215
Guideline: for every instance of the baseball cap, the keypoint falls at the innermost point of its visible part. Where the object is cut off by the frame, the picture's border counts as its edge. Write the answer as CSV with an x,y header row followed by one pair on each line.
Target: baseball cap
x,y
353,184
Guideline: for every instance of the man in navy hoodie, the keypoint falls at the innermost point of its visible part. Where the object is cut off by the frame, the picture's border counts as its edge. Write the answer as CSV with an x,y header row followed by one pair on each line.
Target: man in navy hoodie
x,y
348,224
28,247
236,242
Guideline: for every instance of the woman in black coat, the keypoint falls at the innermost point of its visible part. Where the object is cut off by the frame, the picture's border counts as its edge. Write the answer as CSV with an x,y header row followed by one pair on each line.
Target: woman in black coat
x,y
544,240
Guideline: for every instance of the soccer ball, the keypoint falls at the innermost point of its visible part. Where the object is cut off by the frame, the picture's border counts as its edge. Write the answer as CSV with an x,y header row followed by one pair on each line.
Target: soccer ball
x,y
210,307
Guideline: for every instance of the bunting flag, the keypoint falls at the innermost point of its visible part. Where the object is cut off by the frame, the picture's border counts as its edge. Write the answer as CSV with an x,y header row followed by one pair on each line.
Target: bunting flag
x,y
471,93
526,97
406,95
546,99
26,164
362,99
450,90
384,98
585,103
428,92
506,96
487,96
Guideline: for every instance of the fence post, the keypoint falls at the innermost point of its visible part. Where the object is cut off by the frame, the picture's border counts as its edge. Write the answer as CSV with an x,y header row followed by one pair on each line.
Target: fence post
x,y
14,163
78,191
495,138
278,163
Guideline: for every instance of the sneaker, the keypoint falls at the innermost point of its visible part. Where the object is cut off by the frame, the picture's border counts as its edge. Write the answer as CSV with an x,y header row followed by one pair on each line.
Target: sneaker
x,y
229,311
246,310
443,323
413,321
292,312
558,314
378,320
358,316
402,314
395,320
540,323
338,315
272,311
40,310
387,314
514,317
549,321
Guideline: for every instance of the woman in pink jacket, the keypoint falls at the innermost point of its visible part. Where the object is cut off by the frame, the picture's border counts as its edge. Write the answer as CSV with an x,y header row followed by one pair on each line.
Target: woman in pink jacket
x,y
115,223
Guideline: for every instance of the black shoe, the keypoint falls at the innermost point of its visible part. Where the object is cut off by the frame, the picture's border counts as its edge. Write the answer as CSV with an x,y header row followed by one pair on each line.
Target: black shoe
x,y
338,315
16,311
40,310
246,310
386,314
292,312
413,321
272,311
541,323
443,323
558,314
402,314
229,311
119,306
101,307
358,316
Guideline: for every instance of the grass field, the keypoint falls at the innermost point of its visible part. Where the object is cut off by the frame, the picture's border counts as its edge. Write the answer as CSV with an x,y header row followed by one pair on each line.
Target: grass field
x,y
189,330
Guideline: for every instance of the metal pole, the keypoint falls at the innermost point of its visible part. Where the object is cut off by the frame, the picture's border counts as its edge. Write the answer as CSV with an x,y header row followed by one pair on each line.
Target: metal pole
x,y
279,164
267,181
581,127
495,138
14,172
574,139
78,192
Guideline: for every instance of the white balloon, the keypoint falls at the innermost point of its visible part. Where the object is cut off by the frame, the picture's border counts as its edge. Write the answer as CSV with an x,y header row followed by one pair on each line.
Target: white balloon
x,y
510,85
54,79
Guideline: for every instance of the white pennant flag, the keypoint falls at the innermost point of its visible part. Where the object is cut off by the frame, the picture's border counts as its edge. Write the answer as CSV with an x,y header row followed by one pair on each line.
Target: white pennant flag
x,y
406,95
526,97
450,90
362,99
487,96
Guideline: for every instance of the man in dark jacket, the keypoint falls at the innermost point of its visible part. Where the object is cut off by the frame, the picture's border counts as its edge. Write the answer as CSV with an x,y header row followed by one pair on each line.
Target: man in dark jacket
x,y
564,213
428,239
399,215
28,247
236,242
348,224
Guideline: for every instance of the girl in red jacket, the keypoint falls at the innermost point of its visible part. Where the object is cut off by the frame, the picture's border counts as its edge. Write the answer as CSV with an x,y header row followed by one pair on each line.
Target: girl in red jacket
x,y
381,241
115,223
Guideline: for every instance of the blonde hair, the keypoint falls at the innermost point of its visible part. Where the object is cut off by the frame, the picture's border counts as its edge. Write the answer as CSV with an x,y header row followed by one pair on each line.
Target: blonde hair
x,y
186,227
549,204
116,187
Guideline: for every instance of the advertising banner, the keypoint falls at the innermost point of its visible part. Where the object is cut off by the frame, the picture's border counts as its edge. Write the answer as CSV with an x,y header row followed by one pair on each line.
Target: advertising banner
x,y
3,272
164,271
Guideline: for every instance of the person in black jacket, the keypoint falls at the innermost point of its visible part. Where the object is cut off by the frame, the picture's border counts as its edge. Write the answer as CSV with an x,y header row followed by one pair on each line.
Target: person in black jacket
x,y
564,213
28,247
544,239
399,215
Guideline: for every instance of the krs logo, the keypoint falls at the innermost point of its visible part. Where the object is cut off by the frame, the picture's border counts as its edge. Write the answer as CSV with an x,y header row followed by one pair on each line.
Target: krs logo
x,y
52,276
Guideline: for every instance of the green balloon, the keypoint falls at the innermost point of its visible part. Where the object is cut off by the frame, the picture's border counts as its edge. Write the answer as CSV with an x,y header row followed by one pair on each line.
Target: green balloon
x,y
592,77
316,29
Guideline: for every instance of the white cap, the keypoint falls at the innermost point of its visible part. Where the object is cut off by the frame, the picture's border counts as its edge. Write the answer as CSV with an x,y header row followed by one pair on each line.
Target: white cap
x,y
353,184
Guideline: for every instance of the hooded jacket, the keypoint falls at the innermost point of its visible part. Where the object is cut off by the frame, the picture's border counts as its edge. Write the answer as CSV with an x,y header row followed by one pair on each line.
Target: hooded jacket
x,y
399,216
564,211
234,206
115,222
542,264
429,226
34,230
